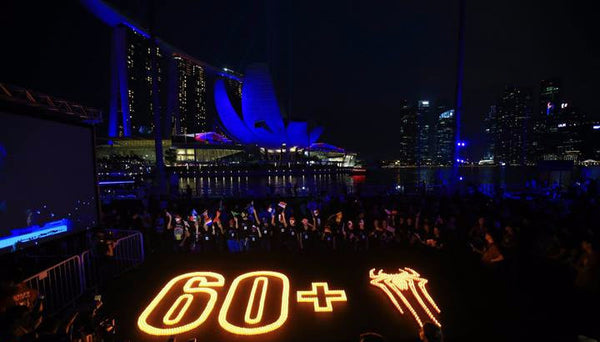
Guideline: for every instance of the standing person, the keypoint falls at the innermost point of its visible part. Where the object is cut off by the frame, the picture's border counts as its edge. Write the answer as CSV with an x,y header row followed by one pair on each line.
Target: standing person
x,y
245,226
307,236
400,234
293,239
316,216
233,243
362,243
410,228
337,228
327,238
218,232
206,237
266,234
509,242
196,241
254,238
181,231
160,231
376,236
282,228
351,237
387,233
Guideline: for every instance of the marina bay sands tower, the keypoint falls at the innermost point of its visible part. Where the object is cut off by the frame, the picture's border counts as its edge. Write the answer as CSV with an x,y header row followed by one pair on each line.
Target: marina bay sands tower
x,y
185,84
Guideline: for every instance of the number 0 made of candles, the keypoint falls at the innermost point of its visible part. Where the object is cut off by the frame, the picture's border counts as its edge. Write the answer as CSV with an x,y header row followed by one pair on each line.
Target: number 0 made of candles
x,y
261,284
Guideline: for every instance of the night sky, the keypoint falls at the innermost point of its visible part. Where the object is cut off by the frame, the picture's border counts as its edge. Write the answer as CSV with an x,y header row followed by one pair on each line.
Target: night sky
x,y
344,64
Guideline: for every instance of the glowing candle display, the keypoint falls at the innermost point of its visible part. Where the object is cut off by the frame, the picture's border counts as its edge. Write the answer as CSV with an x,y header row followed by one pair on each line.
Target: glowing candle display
x,y
394,284
312,296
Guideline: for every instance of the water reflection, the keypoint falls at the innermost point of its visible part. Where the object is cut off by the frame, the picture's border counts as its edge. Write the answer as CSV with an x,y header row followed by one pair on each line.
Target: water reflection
x,y
487,179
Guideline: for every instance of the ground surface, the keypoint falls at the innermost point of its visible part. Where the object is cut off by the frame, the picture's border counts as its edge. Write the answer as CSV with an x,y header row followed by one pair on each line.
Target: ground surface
x,y
476,304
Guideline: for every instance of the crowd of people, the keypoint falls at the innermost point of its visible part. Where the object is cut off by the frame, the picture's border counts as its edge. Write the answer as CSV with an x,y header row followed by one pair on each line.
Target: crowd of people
x,y
501,232
498,230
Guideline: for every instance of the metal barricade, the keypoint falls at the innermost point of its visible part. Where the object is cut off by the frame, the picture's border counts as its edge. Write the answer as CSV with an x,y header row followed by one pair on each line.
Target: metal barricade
x,y
63,283
60,284
128,252
90,269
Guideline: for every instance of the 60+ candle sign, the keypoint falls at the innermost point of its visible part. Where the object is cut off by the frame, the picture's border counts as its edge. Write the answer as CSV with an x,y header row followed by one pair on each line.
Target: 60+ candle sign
x,y
177,308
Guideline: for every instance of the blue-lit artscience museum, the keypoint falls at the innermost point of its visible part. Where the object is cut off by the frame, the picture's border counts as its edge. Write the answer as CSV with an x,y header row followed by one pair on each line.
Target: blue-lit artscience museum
x,y
209,114
260,121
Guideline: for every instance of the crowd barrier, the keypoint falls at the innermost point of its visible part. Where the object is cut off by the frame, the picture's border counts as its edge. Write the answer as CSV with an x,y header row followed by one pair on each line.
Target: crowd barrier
x,y
63,283
60,284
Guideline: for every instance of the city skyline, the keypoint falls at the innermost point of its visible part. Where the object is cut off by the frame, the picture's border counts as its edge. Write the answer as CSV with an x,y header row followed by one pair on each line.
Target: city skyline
x,y
421,66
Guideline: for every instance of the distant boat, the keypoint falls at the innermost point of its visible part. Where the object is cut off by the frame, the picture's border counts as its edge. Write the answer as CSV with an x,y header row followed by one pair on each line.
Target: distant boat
x,y
487,162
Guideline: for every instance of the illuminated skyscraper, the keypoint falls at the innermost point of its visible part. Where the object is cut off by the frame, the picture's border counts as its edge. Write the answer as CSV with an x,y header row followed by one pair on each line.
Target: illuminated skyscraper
x,y
490,130
513,126
192,107
545,132
425,138
130,112
550,96
408,134
185,88
445,129
191,97
570,133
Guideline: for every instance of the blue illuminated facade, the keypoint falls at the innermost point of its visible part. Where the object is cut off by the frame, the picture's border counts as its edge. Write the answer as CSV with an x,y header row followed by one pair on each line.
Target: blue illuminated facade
x,y
194,97
261,121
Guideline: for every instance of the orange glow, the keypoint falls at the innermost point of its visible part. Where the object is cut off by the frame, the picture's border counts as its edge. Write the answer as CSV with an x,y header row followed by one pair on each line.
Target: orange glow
x,y
283,313
312,296
403,281
261,304
198,282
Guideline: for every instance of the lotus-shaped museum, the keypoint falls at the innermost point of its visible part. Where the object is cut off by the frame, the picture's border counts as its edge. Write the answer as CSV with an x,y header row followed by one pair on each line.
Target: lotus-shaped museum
x,y
260,121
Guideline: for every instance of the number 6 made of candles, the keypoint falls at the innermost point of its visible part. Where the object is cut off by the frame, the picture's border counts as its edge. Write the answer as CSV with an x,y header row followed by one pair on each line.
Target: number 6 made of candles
x,y
195,283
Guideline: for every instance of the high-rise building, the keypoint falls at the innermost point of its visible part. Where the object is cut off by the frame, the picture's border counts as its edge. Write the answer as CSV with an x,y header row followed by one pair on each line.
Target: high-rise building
x,y
490,131
550,97
592,140
513,126
192,108
130,112
545,133
191,93
445,138
425,138
570,133
408,134
185,88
